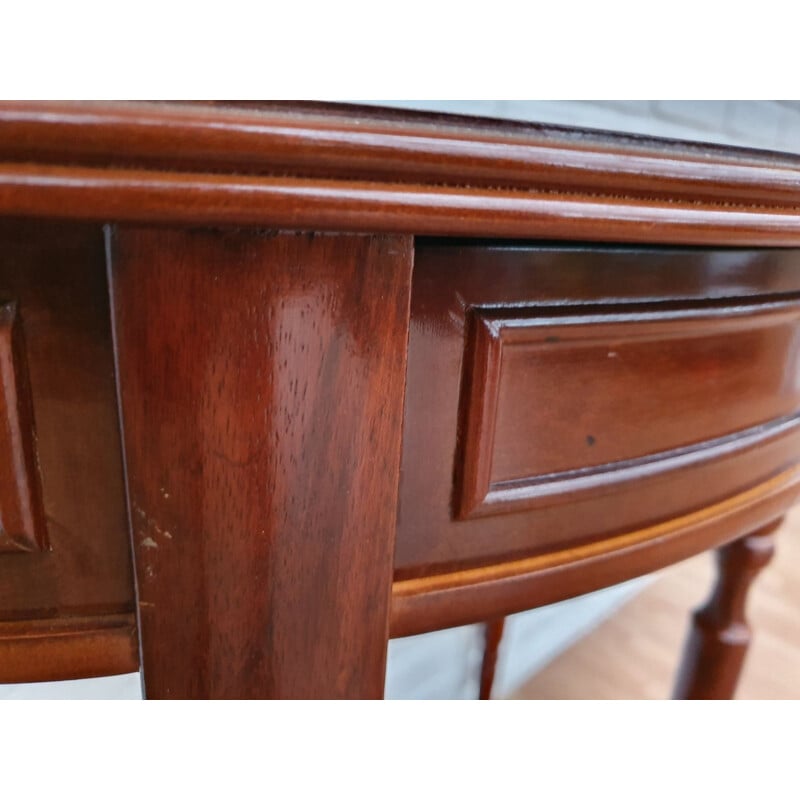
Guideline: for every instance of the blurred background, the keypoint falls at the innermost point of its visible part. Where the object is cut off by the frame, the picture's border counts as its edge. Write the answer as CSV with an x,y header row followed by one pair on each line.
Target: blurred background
x,y
767,124
623,642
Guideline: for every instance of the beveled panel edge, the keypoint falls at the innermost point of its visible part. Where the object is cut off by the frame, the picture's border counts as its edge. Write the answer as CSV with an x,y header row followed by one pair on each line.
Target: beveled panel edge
x,y
354,171
490,330
511,496
68,648
446,600
22,526
480,388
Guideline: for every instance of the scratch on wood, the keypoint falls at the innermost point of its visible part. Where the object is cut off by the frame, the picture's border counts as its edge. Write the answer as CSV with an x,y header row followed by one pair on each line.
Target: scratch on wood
x,y
150,525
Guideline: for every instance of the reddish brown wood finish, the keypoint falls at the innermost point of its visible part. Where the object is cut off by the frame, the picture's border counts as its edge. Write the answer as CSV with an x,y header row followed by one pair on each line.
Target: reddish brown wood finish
x,y
98,194
65,611
23,524
56,275
571,403
531,439
261,379
461,597
493,634
68,648
386,173
398,146
719,637
262,376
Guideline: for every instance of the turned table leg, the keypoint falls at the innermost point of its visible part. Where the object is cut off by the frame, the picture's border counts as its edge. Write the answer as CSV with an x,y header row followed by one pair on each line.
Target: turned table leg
x,y
493,633
717,643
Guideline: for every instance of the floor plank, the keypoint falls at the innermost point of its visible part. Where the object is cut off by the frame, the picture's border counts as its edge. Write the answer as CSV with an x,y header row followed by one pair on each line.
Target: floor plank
x,y
634,655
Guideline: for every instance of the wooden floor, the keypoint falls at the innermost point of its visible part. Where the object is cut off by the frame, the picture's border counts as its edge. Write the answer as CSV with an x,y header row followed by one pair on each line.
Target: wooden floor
x,y
634,655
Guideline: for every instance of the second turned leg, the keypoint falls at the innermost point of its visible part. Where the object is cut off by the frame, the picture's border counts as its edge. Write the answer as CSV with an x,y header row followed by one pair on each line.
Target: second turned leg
x,y
719,637
493,633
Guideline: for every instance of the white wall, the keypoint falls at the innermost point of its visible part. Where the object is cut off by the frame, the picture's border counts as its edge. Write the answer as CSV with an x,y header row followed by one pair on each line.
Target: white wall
x,y
767,124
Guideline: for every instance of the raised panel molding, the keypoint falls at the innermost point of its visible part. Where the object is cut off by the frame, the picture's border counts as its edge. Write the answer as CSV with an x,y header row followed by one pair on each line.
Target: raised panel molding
x,y
565,404
22,520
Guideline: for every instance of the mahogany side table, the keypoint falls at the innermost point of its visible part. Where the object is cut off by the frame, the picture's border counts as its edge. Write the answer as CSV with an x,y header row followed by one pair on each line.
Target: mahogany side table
x,y
280,381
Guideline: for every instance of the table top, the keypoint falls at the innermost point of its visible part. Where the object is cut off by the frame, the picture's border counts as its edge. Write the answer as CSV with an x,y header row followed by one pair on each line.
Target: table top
x,y
346,168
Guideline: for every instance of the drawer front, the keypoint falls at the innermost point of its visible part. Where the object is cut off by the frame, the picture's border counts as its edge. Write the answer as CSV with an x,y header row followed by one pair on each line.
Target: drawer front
x,y
557,396
585,400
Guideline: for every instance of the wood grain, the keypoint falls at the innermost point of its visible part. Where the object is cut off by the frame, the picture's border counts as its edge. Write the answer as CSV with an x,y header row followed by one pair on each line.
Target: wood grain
x,y
326,140
634,654
720,635
55,272
261,375
531,438
471,595
68,648
200,198
531,433
23,524
366,171
261,379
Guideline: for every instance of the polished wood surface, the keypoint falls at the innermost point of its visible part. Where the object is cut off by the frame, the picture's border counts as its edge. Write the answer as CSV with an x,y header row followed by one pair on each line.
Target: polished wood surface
x,y
325,140
532,438
466,596
262,466
23,524
375,172
68,648
572,415
720,635
54,273
634,654
542,408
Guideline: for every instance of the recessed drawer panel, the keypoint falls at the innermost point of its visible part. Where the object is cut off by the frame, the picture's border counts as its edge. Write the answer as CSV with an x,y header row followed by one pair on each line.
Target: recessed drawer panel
x,y
556,396
578,400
